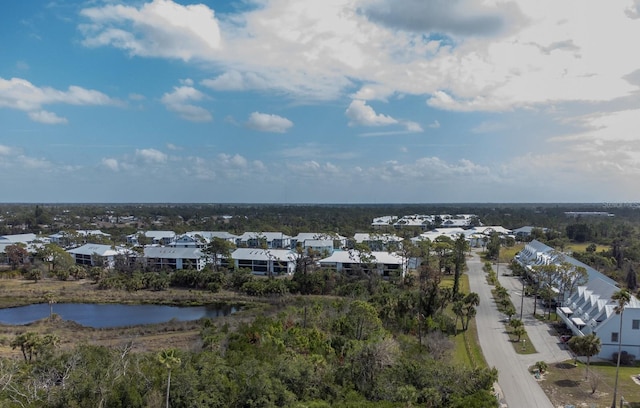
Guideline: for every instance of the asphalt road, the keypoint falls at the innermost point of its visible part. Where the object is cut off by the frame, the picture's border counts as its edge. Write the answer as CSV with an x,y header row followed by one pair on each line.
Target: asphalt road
x,y
518,387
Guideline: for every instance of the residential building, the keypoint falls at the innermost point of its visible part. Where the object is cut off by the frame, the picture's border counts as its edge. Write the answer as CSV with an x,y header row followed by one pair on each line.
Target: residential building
x,y
153,237
523,233
174,258
98,254
271,240
383,263
318,241
378,242
265,261
384,221
590,309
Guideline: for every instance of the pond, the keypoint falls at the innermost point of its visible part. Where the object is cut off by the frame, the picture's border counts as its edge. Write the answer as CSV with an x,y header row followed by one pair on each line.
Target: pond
x,y
113,315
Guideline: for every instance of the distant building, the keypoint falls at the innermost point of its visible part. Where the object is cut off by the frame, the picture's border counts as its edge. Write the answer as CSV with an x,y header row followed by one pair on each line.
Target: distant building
x,y
272,240
576,214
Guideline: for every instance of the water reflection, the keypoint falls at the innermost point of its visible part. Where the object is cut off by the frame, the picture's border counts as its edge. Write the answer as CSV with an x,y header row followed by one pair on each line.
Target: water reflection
x,y
112,315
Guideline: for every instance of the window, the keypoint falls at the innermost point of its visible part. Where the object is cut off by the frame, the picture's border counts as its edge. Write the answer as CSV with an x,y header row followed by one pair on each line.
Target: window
x,y
635,324
614,337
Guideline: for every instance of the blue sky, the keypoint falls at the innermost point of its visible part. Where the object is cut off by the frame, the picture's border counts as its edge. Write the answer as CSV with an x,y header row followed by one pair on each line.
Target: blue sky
x,y
333,101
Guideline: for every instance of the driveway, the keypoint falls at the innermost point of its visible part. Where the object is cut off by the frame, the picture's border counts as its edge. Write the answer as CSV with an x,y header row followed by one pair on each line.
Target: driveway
x,y
518,387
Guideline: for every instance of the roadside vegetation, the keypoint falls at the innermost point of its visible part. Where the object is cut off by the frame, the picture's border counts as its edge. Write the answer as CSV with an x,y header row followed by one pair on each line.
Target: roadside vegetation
x,y
513,325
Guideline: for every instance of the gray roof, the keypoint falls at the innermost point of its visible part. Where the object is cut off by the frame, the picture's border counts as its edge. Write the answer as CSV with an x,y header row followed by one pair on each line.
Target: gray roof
x,y
173,253
264,254
99,249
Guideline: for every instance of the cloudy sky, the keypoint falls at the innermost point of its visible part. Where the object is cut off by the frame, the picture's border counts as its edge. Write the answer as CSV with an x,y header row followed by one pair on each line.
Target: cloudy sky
x,y
332,101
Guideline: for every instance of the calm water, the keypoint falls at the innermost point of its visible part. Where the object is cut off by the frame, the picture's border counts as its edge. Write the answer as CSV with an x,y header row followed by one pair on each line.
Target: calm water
x,y
112,315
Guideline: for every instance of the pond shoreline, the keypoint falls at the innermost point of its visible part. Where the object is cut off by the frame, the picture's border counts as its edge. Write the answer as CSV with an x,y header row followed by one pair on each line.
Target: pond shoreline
x,y
146,337
114,315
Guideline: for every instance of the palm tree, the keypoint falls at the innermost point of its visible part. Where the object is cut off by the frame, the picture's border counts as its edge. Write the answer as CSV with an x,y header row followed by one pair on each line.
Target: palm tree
x,y
623,297
587,346
51,299
591,347
169,359
518,328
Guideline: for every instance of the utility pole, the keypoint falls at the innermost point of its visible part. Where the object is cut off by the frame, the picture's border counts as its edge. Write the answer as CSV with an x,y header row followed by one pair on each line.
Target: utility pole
x,y
522,299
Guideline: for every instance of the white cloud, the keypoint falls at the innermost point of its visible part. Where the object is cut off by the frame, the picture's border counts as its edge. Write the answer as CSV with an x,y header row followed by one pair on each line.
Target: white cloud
x,y
171,146
111,164
136,97
161,28
5,150
236,160
434,125
633,11
33,162
489,127
179,101
265,122
49,118
237,81
542,52
151,155
359,113
18,93
412,127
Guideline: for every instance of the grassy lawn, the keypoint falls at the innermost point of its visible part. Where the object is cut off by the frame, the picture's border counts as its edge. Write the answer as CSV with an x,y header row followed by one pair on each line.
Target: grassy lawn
x,y
574,247
524,346
565,383
508,253
467,349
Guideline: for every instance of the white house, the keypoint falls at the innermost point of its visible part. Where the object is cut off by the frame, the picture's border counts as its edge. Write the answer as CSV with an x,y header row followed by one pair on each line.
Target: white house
x,y
272,240
416,220
384,221
265,261
210,235
590,309
155,237
384,263
92,254
322,242
174,258
378,242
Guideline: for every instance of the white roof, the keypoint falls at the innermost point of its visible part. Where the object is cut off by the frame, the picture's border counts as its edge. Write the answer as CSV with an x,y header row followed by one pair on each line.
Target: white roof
x,y
99,249
380,257
18,238
318,243
364,236
159,234
490,229
384,220
257,254
269,236
173,253
209,235
92,232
